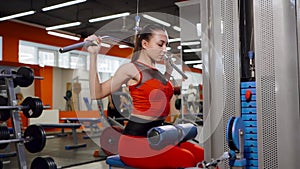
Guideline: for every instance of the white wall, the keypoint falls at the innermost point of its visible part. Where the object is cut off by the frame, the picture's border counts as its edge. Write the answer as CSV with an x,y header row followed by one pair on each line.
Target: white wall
x,y
47,117
60,79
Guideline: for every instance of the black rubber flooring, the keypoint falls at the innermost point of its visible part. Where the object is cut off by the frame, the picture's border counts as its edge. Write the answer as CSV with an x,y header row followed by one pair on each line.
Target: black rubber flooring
x,y
55,148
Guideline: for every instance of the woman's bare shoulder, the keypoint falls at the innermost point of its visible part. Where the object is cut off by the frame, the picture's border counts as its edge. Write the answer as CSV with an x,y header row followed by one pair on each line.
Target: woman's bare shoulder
x,y
128,65
129,69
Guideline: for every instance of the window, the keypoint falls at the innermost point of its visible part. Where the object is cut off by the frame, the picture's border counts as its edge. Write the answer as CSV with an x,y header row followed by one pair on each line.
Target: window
x,y
63,60
107,64
47,57
77,61
27,54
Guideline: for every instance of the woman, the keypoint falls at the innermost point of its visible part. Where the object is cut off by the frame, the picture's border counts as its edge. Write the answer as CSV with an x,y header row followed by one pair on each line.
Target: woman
x,y
151,92
20,98
191,98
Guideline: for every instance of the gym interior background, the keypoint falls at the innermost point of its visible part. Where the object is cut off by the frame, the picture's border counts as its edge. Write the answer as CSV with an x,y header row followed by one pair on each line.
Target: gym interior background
x,y
26,42
246,72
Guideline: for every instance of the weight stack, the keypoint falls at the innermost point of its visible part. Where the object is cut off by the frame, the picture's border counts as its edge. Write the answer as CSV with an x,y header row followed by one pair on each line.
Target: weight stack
x,y
249,117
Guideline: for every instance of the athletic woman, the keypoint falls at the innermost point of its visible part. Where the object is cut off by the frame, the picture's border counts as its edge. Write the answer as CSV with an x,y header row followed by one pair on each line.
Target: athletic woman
x,y
151,92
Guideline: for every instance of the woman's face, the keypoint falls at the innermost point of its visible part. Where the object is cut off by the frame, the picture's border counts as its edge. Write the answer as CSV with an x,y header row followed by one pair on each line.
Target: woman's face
x,y
156,47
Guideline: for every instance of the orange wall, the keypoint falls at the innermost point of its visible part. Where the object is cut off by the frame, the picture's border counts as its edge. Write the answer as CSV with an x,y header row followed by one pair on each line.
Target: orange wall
x,y
12,32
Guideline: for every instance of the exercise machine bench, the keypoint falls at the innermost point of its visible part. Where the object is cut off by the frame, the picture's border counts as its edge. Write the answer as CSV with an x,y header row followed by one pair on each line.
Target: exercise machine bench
x,y
114,161
91,123
72,126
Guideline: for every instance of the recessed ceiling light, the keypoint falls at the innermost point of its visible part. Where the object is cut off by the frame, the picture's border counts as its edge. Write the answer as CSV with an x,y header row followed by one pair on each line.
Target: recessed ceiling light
x,y
17,15
63,26
109,17
62,5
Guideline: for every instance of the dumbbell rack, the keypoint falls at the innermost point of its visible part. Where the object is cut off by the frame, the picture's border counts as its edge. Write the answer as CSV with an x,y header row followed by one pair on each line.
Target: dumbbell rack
x,y
35,134
15,117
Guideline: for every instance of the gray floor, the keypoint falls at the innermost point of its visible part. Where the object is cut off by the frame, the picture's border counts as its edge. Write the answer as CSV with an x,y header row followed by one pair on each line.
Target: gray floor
x,y
55,148
95,165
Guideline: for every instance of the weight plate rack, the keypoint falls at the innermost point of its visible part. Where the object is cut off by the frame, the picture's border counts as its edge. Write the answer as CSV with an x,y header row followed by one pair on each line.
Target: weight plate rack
x,y
34,137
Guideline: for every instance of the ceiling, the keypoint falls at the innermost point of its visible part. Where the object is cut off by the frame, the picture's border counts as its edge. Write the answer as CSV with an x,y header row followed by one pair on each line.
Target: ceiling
x,y
165,10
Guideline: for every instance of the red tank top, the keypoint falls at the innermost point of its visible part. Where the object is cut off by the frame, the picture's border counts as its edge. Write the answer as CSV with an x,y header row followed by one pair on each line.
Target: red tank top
x,y
152,94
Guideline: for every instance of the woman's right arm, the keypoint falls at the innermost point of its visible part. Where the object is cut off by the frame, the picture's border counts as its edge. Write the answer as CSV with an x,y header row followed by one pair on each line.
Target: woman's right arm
x,y
98,89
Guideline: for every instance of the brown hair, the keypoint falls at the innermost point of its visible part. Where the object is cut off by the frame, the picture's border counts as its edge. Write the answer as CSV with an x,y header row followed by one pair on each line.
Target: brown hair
x,y
144,34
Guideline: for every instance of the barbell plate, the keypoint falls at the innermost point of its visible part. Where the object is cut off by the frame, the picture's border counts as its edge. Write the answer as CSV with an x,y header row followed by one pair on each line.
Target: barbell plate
x,y
38,108
25,77
33,107
4,135
51,162
26,103
4,113
37,138
43,163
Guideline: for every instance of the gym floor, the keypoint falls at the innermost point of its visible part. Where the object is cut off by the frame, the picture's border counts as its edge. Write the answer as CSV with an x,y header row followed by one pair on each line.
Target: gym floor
x,y
55,148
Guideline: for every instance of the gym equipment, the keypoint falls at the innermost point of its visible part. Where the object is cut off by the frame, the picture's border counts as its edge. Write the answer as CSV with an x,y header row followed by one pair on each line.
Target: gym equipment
x,y
160,137
105,39
111,126
4,135
43,163
91,123
214,163
73,126
23,77
167,57
4,113
115,161
186,131
34,138
109,140
113,40
31,107
233,134
235,140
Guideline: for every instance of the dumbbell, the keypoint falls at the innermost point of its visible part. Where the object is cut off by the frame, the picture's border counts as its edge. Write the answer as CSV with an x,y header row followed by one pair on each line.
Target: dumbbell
x,y
34,138
23,77
4,113
45,162
160,137
31,107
